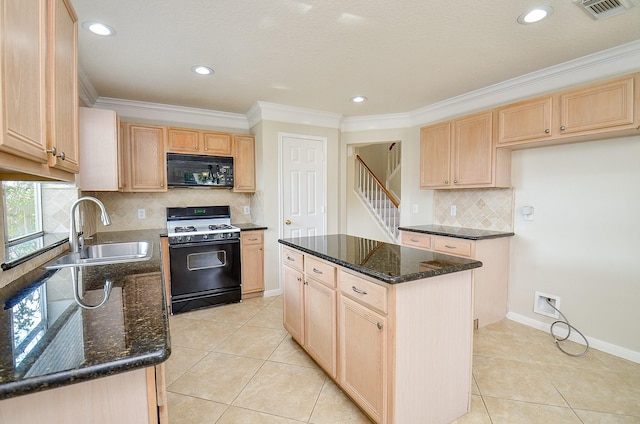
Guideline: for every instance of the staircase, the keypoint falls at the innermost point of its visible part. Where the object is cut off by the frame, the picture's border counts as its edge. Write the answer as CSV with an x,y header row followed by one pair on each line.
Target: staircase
x,y
380,201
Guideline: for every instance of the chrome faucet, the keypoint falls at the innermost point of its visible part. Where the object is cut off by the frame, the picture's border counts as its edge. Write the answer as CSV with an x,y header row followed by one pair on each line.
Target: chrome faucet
x,y
75,239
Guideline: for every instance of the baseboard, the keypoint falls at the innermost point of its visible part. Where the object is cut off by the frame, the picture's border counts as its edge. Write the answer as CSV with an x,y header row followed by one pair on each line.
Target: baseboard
x,y
594,343
271,293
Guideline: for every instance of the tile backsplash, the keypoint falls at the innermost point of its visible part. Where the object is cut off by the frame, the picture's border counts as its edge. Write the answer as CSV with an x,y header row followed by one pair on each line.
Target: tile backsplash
x,y
123,207
485,209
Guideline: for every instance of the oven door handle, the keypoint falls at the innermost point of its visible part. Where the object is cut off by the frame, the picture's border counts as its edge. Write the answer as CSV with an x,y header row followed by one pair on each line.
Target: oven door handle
x,y
203,243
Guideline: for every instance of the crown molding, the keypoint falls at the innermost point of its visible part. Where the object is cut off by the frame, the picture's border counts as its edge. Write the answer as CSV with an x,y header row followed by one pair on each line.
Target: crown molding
x,y
86,91
609,63
179,115
376,122
265,111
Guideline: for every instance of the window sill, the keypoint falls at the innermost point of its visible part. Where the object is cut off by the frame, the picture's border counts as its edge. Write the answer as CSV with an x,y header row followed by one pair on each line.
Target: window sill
x,y
48,241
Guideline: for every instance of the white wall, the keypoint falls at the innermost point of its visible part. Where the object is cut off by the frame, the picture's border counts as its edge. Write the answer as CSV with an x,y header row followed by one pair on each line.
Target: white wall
x,y
583,242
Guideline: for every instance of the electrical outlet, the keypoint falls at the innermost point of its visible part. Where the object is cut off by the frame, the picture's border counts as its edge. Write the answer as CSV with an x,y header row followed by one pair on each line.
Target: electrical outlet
x,y
247,210
541,306
142,213
454,210
415,208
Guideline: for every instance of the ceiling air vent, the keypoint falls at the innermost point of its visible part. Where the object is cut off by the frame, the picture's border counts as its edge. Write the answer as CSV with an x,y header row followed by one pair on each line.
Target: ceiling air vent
x,y
601,9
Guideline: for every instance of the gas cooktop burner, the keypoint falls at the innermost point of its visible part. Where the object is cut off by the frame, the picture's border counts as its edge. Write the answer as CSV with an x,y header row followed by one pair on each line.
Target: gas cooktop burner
x,y
215,227
188,229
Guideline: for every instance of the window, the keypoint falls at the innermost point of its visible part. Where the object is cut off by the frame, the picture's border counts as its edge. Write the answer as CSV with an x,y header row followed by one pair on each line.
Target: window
x,y
22,214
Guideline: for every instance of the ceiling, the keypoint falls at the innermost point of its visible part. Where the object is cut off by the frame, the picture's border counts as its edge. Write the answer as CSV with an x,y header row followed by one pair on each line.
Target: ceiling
x,y
316,54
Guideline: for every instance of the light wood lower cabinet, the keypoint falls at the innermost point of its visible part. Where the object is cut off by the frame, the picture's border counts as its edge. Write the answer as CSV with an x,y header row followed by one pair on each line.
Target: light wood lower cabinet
x,y
132,397
403,351
310,307
491,281
252,260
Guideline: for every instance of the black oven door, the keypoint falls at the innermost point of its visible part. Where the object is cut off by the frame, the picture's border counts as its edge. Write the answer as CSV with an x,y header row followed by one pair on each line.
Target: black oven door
x,y
204,269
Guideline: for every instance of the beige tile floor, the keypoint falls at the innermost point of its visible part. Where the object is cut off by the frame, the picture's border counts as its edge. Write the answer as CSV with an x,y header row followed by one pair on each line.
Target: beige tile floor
x,y
236,364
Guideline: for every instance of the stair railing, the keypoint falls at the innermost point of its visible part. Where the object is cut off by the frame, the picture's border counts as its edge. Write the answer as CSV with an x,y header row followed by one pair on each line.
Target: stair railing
x,y
382,202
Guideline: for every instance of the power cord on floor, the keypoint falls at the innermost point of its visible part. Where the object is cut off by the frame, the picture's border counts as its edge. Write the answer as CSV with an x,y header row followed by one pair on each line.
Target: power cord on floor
x,y
569,328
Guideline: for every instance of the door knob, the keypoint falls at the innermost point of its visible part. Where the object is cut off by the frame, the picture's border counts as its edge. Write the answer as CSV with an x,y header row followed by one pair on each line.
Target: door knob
x,y
288,222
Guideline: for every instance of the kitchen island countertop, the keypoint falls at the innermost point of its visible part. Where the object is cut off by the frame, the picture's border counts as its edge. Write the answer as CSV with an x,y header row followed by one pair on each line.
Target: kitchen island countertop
x,y
458,232
47,340
387,262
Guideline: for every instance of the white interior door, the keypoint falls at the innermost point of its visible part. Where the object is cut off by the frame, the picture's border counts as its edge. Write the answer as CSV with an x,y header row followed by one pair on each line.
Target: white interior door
x,y
304,199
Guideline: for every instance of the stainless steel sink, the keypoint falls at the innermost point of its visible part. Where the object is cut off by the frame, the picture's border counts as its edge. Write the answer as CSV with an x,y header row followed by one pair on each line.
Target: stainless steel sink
x,y
104,254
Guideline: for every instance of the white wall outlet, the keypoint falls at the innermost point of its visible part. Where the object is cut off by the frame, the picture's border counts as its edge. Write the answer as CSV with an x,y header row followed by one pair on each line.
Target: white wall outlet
x,y
247,210
142,213
454,210
540,305
415,208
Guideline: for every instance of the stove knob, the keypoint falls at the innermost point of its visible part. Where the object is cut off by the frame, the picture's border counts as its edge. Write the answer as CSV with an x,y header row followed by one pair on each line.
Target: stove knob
x,y
205,237
188,238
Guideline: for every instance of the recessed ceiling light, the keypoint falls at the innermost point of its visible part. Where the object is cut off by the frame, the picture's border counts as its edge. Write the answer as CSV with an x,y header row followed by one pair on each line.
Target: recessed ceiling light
x,y
535,15
358,99
202,70
99,28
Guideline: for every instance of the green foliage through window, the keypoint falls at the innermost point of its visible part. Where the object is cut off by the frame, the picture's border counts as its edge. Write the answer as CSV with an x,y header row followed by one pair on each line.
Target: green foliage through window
x,y
22,209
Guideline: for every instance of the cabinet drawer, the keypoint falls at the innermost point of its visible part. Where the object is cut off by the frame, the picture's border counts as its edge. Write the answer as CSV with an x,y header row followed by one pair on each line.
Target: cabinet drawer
x,y
422,241
320,271
251,237
366,292
293,258
453,246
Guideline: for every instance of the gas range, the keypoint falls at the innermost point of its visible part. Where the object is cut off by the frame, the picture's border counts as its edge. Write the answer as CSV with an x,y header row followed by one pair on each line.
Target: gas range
x,y
196,224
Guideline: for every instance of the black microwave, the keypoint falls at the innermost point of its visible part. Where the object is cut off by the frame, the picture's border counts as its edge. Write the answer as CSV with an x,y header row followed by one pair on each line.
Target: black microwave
x,y
199,171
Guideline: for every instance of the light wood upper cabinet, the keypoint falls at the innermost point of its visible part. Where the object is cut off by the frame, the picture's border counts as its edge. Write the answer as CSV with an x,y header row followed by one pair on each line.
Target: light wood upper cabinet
x,y
525,121
473,150
62,74
461,154
215,143
191,141
435,155
597,107
100,150
252,261
22,77
244,163
144,158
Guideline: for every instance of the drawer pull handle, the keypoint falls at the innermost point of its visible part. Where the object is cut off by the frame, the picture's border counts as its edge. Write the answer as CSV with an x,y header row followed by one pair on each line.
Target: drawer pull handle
x,y
252,239
357,290
317,271
414,240
450,247
379,325
289,258
299,279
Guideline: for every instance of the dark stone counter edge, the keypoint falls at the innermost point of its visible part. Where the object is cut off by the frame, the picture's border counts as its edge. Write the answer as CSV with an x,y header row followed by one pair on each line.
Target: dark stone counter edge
x,y
250,227
455,234
384,277
64,378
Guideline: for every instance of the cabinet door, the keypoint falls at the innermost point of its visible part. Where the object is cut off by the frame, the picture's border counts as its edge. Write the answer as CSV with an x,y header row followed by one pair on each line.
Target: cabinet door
x,y
293,314
62,74
435,156
320,324
22,79
598,106
216,143
244,164
99,150
181,140
525,121
363,357
473,150
252,263
145,158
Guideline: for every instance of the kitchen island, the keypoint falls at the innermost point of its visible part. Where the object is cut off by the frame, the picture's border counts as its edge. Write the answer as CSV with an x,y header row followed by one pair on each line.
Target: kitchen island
x,y
78,364
392,325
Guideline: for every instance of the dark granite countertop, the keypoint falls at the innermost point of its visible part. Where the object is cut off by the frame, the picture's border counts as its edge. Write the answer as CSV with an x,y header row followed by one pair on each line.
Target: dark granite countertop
x,y
249,227
458,232
387,262
47,340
